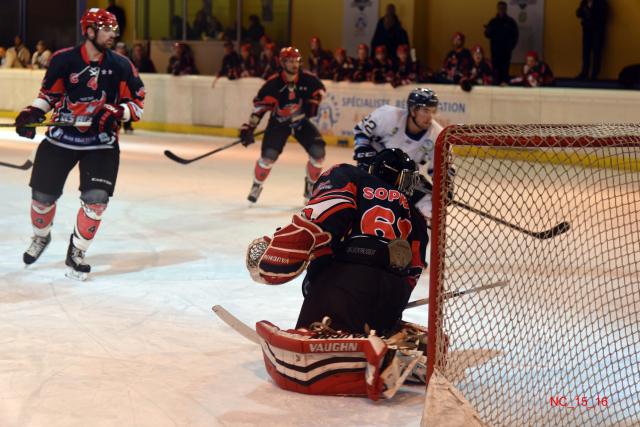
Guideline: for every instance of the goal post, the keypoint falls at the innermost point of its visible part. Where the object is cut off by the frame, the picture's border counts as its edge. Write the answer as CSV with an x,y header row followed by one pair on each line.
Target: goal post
x,y
560,344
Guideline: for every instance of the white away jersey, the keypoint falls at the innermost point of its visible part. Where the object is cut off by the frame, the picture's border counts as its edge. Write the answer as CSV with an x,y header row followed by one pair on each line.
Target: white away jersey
x,y
385,128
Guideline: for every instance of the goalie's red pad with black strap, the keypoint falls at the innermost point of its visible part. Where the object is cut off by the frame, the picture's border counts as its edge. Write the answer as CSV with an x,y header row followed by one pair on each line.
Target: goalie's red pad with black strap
x,y
333,366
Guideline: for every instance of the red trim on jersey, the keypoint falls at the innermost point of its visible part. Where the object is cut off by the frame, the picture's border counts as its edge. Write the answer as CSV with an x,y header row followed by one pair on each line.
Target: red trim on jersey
x,y
85,55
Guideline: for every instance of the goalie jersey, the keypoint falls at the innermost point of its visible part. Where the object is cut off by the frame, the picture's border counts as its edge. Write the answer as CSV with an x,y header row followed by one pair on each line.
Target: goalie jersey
x,y
386,126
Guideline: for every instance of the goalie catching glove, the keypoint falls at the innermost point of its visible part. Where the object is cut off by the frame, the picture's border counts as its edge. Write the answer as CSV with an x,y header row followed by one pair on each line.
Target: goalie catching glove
x,y
282,258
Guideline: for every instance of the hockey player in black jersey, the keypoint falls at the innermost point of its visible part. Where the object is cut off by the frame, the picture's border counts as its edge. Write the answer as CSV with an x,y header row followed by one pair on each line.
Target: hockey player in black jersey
x,y
364,240
292,96
97,89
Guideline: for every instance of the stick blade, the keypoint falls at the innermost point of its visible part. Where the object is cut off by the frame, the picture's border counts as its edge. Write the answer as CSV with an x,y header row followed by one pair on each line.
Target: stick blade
x,y
25,166
557,230
175,158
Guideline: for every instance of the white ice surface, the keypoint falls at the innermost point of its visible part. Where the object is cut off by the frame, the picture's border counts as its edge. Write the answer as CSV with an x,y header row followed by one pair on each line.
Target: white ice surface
x,y
138,344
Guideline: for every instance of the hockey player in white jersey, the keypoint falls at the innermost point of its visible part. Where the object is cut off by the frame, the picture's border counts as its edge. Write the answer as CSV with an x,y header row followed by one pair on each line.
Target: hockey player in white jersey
x,y
413,130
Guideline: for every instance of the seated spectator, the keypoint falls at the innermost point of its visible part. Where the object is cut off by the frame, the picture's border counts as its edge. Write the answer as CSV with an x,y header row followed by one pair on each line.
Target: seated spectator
x,y
182,62
406,70
205,26
269,61
264,41
481,71
230,64
141,59
248,63
382,69
362,65
3,56
121,48
341,67
457,63
40,58
319,59
17,56
535,72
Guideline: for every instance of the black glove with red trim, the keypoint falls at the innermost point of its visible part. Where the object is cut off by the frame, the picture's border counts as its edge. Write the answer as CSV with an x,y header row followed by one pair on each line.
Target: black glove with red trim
x,y
247,134
28,116
108,118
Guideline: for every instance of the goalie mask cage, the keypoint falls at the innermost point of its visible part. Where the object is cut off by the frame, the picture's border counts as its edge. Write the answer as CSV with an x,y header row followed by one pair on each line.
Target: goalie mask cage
x,y
559,344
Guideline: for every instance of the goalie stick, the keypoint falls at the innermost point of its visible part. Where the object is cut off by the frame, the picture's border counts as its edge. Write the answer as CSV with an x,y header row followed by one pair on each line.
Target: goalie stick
x,y
184,161
236,324
459,292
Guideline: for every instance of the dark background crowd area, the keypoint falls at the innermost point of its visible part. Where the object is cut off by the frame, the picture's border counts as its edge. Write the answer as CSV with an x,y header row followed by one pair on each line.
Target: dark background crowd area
x,y
387,59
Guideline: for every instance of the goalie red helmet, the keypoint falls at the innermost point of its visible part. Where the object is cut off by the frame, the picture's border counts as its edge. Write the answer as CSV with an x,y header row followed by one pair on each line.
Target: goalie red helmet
x,y
98,18
290,52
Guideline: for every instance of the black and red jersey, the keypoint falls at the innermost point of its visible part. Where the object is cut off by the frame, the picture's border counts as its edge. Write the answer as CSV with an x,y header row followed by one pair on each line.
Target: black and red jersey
x,y
350,203
288,100
76,89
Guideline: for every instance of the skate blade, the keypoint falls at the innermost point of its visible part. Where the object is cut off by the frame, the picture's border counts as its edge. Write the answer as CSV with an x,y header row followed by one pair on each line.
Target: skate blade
x,y
76,275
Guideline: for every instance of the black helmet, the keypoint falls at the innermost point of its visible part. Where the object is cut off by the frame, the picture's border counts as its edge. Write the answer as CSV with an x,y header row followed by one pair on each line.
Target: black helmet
x,y
396,168
422,97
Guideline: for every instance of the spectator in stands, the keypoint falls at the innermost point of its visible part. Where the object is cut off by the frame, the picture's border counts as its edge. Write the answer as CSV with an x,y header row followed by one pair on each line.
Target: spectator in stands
x,y
593,16
319,59
406,71
341,67
248,63
17,56
182,62
503,33
3,56
121,48
382,70
255,30
481,72
389,32
40,58
269,64
362,65
230,64
457,63
120,16
141,59
205,25
535,72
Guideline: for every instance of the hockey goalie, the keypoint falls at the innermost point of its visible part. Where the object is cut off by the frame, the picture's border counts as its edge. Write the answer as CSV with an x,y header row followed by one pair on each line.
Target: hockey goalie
x,y
363,246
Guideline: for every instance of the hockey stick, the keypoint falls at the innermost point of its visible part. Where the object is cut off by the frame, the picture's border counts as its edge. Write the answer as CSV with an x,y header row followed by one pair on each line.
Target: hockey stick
x,y
184,161
554,231
236,324
459,292
26,165
44,124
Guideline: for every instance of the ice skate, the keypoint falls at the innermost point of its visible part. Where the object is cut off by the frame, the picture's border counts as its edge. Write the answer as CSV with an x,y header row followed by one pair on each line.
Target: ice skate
x,y
38,245
76,267
256,189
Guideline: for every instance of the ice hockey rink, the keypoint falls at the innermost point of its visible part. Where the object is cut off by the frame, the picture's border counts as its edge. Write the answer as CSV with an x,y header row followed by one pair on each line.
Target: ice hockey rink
x,y
137,344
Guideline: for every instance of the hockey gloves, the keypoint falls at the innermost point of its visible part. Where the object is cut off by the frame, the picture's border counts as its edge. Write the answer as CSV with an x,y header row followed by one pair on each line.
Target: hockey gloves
x,y
247,134
108,118
282,258
28,116
364,155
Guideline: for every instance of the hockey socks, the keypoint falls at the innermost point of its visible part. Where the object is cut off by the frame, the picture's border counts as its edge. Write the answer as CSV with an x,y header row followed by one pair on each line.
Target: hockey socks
x,y
87,223
314,169
42,217
260,174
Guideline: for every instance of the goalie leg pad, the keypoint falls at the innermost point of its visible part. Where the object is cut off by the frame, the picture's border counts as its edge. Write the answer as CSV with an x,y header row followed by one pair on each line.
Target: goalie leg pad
x,y
336,367
286,255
